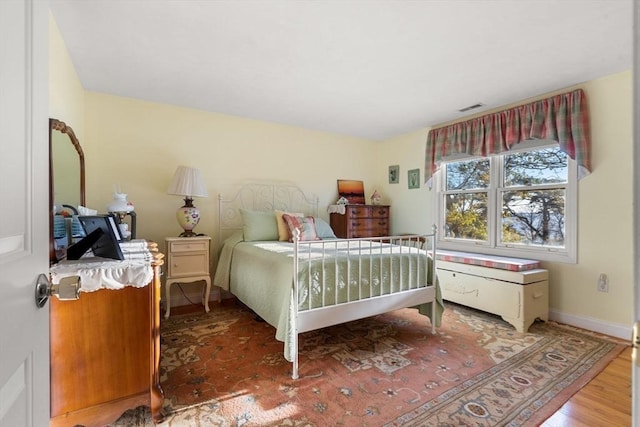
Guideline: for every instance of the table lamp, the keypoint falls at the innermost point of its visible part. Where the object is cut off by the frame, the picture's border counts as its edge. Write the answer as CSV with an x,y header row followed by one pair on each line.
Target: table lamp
x,y
121,208
188,182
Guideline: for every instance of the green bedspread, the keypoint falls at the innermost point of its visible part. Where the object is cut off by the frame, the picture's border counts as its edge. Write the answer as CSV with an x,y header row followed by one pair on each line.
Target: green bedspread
x,y
260,274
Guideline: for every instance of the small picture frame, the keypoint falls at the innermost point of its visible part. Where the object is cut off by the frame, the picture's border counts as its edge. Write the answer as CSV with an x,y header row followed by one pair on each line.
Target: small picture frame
x,y
394,174
413,177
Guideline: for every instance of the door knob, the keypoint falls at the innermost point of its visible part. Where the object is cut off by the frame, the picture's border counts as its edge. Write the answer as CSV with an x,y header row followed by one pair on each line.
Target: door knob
x,y
67,290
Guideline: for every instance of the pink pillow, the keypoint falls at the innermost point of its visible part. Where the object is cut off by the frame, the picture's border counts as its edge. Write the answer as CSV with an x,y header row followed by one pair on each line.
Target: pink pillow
x,y
283,228
306,225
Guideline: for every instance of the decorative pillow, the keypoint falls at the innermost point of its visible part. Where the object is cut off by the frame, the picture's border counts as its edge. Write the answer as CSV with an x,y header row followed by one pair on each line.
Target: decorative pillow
x,y
305,224
324,230
259,225
283,228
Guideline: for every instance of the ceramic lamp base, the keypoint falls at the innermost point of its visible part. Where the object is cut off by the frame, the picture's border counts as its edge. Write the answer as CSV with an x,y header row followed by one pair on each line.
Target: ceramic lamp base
x,y
188,217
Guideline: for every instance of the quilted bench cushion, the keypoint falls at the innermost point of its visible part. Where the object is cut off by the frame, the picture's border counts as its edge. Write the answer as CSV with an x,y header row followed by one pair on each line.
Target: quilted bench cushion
x,y
490,261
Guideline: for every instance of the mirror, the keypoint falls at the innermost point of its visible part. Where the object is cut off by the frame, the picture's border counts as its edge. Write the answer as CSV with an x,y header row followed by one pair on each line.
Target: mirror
x,y
66,180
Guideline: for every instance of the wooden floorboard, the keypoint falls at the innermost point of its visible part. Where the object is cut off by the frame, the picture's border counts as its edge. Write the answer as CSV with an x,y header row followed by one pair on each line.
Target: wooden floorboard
x,y
605,401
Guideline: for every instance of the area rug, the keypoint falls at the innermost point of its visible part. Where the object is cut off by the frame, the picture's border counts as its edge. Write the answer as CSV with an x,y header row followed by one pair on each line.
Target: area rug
x,y
225,368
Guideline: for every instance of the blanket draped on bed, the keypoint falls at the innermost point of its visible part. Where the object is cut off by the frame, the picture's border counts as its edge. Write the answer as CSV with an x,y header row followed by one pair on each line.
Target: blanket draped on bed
x,y
260,274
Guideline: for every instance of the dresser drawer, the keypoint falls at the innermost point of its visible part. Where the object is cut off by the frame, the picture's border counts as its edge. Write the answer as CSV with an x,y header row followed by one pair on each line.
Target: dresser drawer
x,y
185,246
182,265
380,228
369,224
359,211
382,212
369,227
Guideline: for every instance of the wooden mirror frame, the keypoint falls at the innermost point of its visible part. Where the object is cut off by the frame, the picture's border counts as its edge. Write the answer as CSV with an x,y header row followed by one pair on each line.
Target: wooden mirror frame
x,y
59,126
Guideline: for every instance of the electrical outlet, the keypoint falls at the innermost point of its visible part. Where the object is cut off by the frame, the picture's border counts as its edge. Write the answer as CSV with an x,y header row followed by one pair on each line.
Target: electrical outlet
x,y
603,283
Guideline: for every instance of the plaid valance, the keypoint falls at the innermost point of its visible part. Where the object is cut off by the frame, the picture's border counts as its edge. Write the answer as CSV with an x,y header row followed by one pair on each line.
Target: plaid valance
x,y
561,118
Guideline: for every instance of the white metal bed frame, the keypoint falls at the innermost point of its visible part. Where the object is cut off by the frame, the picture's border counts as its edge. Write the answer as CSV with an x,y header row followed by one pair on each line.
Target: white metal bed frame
x,y
261,196
288,197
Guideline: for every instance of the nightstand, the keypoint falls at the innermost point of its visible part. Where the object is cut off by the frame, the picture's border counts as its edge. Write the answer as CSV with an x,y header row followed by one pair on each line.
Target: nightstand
x,y
187,261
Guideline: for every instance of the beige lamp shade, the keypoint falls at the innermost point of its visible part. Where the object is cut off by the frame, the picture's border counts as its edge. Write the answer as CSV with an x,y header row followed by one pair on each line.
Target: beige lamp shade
x,y
188,182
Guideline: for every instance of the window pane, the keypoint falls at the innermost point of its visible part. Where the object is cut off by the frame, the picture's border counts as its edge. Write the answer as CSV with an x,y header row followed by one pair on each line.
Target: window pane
x,y
466,216
545,166
534,217
468,175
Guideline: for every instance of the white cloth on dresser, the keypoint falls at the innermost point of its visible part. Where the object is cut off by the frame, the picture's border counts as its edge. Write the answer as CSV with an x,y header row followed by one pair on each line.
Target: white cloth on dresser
x,y
339,209
103,273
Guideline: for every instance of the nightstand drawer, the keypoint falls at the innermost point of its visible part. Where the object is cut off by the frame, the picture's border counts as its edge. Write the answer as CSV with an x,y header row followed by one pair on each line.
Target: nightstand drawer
x,y
188,264
188,246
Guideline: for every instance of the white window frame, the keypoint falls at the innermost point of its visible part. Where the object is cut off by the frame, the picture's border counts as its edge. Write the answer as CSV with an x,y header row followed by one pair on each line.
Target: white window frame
x,y
567,254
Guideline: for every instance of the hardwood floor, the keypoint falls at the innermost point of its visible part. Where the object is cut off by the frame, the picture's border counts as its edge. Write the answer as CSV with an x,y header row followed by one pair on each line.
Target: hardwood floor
x,y
605,401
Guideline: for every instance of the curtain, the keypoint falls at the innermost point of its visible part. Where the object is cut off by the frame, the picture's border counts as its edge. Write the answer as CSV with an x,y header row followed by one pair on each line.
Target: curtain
x,y
562,118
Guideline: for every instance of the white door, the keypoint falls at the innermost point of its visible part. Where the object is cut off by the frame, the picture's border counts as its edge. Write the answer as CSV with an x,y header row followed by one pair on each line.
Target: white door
x,y
24,227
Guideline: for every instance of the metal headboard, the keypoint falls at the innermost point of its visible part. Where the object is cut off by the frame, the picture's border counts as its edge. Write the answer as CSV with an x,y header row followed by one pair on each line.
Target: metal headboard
x,y
261,196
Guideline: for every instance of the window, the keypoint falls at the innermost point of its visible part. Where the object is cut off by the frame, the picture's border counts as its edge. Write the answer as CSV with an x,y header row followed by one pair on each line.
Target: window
x,y
520,204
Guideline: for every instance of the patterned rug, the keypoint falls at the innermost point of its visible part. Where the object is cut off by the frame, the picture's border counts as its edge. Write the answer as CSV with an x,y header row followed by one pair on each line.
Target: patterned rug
x,y
225,368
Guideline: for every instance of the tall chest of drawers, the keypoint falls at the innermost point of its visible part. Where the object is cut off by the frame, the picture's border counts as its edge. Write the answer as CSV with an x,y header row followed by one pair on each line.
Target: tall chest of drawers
x,y
361,221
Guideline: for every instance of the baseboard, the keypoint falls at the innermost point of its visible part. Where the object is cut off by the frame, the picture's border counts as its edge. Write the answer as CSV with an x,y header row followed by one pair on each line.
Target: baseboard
x,y
596,325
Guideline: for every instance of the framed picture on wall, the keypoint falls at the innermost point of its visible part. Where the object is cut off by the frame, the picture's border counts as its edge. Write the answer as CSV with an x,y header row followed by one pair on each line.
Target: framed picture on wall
x,y
414,178
394,174
351,190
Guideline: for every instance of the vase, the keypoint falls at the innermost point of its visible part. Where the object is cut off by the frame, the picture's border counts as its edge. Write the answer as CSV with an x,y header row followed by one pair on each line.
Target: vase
x,y
120,204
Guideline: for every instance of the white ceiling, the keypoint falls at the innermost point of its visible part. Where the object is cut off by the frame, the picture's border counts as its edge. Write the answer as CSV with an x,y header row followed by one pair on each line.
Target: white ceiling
x,y
370,69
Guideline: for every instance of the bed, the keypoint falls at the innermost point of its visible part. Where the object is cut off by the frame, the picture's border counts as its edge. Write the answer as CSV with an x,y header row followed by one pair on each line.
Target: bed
x,y
312,280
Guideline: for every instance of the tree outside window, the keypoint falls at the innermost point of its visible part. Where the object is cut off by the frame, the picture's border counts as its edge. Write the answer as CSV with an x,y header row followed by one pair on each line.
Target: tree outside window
x,y
516,201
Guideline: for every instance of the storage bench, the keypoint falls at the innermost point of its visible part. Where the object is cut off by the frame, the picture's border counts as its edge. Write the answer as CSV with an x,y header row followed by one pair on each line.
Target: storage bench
x,y
513,288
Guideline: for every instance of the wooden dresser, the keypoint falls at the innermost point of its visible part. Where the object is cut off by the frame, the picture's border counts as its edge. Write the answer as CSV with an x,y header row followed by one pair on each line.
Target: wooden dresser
x,y
105,354
361,221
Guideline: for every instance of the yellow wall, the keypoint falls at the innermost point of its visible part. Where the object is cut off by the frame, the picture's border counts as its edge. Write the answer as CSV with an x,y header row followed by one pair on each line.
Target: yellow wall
x,y
66,94
605,223
137,145
410,209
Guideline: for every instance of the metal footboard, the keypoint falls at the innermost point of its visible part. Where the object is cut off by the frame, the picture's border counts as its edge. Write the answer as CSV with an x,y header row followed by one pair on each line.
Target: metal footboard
x,y
378,274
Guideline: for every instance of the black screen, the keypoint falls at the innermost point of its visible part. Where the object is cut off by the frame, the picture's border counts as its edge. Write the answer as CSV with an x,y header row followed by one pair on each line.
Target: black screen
x,y
107,245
